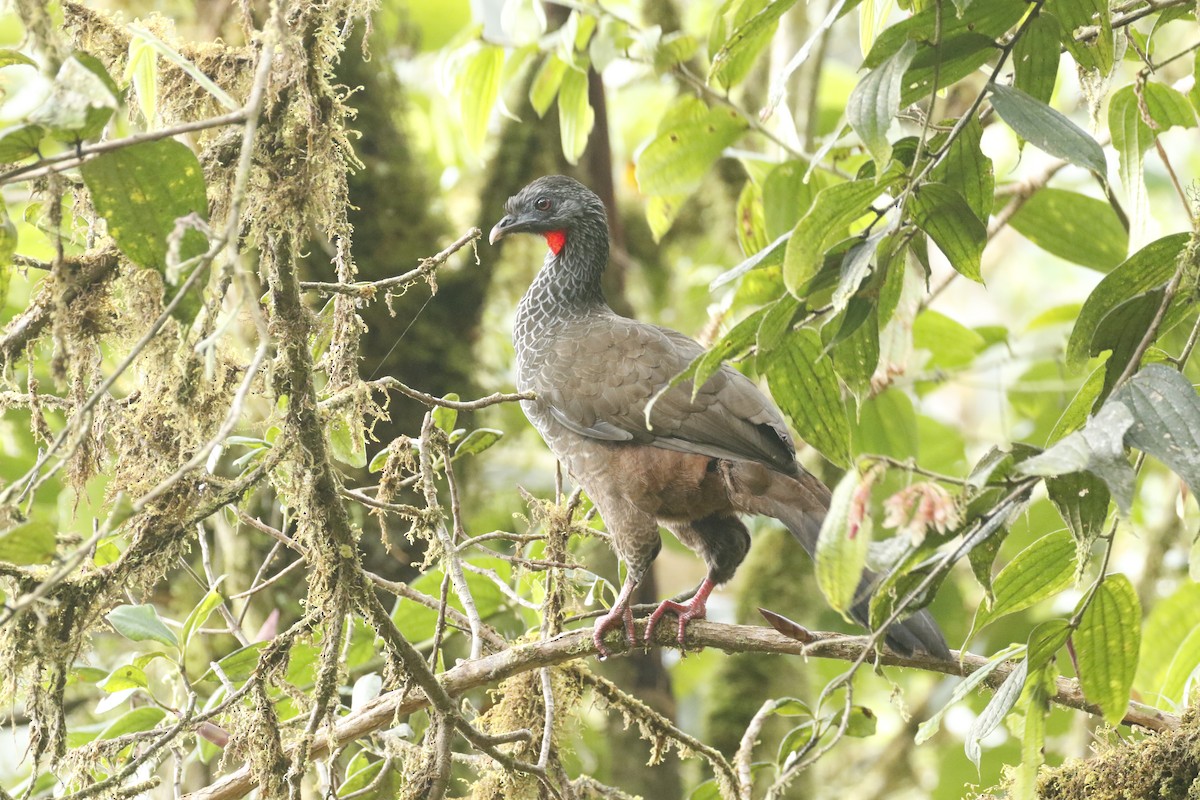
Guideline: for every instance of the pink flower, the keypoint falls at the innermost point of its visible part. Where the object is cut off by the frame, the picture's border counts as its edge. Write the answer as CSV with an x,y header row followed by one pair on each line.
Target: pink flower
x,y
917,508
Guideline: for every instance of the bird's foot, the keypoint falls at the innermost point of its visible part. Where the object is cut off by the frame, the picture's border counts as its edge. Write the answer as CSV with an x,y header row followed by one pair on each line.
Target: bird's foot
x,y
617,615
693,609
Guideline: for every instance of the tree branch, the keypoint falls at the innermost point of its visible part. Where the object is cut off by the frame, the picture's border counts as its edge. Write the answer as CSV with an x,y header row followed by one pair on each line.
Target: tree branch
x,y
382,712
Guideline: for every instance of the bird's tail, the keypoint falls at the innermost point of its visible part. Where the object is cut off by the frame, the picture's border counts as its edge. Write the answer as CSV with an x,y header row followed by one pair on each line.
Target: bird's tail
x,y
800,503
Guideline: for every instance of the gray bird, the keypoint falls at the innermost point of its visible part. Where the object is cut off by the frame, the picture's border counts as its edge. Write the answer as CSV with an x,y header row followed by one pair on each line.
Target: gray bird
x,y
696,464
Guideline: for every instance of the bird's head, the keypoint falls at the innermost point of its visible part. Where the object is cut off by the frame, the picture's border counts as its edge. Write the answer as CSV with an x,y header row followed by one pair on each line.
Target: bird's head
x,y
553,206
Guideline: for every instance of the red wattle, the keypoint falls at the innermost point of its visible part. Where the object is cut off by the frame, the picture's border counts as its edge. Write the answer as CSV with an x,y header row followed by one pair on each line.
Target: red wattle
x,y
556,240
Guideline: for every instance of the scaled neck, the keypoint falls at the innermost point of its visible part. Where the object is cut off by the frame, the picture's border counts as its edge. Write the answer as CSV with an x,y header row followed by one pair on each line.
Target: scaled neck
x,y
569,282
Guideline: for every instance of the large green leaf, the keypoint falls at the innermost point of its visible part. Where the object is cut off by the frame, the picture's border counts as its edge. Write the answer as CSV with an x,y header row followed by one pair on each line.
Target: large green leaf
x,y
842,544
826,222
1075,227
1107,645
141,191
943,213
1035,57
1041,570
1147,269
546,82
677,159
968,171
1098,448
32,542
1097,51
140,623
732,62
478,88
1166,419
876,99
1169,624
575,115
805,386
1047,129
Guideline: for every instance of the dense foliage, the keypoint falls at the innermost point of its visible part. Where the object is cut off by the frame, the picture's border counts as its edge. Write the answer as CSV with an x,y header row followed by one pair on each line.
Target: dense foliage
x,y
957,239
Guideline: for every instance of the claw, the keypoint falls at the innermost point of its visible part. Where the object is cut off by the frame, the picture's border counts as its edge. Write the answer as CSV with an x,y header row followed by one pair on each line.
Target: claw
x,y
696,608
609,621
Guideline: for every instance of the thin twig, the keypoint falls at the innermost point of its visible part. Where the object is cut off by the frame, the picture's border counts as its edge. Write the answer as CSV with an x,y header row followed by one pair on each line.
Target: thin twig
x,y
368,289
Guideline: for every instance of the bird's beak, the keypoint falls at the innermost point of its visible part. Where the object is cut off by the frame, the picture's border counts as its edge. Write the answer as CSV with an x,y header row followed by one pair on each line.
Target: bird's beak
x,y
501,228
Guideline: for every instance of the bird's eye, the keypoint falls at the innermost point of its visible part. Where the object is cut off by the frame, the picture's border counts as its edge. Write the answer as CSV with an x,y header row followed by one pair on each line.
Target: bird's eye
x,y
542,204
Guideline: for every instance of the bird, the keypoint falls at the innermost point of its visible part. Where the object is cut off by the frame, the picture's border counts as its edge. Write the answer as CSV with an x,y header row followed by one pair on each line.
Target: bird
x,y
693,463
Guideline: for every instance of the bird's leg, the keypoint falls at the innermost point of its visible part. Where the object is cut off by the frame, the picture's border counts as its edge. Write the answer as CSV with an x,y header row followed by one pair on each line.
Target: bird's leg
x,y
621,611
692,609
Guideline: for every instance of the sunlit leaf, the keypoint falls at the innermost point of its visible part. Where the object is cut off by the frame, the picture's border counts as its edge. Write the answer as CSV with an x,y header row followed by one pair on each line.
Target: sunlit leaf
x,y
141,623
876,99
575,115
1075,227
1107,645
842,544
805,385
33,542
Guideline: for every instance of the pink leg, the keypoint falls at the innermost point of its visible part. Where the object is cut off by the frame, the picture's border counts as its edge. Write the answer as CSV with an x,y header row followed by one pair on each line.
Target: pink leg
x,y
620,612
692,609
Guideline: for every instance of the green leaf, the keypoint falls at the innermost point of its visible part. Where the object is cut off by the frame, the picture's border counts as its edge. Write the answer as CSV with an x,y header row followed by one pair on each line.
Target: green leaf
x,y
141,191
951,344
545,84
1107,644
122,678
1148,268
29,543
141,71
238,665
201,612
788,193
1047,129
968,171
444,417
856,355
10,57
1099,447
1038,690
477,441
135,721
943,213
995,711
826,222
677,159
732,62
1170,623
1181,669
1035,57
1045,640
478,88
805,386
963,690
347,438
876,99
1094,53
887,426
674,48
1074,227
82,99
192,71
1082,500
20,142
1166,419
141,623
575,115
1041,570
842,544
957,57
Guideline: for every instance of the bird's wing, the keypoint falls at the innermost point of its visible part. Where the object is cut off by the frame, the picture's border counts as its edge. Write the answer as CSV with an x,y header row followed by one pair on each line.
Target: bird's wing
x,y
597,380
